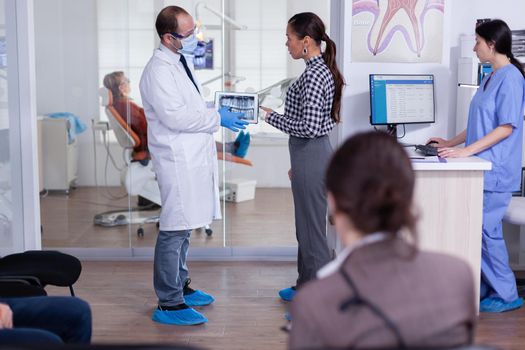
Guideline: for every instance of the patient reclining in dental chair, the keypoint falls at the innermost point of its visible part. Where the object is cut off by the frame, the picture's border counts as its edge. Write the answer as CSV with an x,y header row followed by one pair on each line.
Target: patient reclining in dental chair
x,y
118,84
131,132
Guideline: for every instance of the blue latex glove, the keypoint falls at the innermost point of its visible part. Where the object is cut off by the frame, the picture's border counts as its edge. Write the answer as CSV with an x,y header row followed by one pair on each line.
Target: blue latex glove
x,y
231,120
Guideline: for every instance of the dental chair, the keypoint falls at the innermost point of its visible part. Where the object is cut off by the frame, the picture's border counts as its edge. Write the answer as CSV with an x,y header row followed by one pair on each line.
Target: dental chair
x,y
138,179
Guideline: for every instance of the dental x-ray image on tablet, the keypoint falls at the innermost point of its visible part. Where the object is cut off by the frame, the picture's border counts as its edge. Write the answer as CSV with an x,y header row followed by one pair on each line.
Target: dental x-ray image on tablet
x,y
247,103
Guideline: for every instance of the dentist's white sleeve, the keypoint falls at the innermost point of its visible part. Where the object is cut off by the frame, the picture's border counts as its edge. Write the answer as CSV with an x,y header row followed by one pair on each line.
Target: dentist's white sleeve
x,y
175,105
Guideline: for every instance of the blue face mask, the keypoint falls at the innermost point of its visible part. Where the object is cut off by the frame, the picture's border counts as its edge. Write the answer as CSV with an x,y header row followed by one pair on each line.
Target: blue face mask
x,y
189,45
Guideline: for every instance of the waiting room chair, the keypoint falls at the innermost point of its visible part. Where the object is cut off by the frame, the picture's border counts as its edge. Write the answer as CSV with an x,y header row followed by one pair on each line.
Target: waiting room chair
x,y
26,274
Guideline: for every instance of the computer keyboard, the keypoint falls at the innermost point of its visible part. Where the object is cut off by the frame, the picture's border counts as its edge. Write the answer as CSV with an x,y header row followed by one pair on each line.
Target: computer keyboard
x,y
427,150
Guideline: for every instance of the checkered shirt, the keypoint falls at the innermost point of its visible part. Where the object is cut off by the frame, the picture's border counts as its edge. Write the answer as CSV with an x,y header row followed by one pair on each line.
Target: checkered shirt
x,y
308,107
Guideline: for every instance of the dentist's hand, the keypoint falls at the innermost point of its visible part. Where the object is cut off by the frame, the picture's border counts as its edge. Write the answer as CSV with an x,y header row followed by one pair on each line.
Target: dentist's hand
x,y
231,120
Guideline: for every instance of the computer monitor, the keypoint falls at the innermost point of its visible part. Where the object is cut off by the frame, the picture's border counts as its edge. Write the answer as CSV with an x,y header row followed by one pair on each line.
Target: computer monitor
x,y
401,99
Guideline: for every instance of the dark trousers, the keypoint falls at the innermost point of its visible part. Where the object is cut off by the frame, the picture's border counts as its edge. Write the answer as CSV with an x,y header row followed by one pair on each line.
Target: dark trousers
x,y
47,319
309,159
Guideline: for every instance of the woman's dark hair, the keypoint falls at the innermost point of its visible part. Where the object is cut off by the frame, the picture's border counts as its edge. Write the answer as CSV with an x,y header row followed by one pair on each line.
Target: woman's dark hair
x,y
112,82
372,182
498,33
167,19
309,24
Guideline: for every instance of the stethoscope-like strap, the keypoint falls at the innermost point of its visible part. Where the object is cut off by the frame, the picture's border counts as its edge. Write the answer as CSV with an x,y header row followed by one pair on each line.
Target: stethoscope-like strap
x,y
358,300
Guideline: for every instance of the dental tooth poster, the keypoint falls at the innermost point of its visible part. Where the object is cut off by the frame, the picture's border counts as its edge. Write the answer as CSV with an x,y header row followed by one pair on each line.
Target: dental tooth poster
x,y
408,31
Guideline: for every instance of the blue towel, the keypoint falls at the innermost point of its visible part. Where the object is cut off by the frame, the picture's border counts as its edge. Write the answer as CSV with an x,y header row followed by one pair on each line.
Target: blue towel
x,y
77,125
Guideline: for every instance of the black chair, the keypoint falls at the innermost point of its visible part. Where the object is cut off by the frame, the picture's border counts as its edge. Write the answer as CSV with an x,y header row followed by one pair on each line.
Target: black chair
x,y
26,274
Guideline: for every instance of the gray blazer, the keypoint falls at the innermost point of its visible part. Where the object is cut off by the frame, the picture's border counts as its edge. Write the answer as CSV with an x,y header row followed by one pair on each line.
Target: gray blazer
x,y
428,297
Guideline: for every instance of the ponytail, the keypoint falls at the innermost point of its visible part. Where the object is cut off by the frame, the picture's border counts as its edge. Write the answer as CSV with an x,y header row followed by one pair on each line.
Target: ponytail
x,y
498,32
329,59
516,64
309,24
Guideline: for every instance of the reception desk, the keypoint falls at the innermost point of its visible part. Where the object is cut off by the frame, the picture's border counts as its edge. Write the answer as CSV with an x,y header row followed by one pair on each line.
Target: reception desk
x,y
449,203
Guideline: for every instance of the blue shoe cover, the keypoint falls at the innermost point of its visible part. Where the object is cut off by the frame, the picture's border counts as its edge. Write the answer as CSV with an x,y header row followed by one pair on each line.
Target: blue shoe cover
x,y
244,143
494,304
287,316
184,317
287,294
198,298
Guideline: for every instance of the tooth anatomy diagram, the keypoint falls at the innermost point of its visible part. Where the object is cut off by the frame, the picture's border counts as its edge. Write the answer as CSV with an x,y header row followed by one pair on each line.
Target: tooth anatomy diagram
x,y
397,30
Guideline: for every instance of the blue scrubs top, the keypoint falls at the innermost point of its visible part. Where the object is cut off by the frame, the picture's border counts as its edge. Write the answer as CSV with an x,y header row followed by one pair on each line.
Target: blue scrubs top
x,y
499,102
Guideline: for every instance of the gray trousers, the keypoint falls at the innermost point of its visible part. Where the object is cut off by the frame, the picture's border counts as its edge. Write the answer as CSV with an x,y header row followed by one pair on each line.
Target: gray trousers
x,y
169,266
309,158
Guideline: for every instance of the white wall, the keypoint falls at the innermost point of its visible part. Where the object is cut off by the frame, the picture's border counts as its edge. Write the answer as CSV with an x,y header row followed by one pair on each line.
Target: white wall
x,y
460,18
356,101
66,67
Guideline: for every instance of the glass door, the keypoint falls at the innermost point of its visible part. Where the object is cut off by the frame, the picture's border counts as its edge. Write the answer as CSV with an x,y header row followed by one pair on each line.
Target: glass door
x,y
258,203
87,192
18,210
8,242
241,49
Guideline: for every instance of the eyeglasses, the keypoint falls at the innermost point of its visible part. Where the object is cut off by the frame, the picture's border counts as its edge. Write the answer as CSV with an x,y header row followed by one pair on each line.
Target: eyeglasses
x,y
194,31
124,81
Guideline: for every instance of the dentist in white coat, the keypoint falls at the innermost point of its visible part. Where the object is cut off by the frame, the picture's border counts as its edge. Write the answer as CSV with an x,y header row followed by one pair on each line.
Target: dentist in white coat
x,y
182,147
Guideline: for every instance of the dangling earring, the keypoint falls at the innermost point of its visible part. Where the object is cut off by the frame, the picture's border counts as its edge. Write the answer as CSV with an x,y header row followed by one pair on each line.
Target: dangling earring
x,y
305,51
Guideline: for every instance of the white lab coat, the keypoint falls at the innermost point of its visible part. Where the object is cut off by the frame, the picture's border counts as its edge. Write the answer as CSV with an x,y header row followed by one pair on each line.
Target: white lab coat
x,y
181,143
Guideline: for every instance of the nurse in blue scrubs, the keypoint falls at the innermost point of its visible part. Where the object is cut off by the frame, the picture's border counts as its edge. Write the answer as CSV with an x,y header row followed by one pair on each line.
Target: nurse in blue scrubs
x,y
495,132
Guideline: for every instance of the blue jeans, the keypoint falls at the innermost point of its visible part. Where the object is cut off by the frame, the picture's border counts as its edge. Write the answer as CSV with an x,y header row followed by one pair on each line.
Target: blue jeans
x,y
169,266
46,319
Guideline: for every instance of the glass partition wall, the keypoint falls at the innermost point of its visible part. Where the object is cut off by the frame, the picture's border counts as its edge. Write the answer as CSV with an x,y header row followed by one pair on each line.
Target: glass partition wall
x,y
8,241
110,203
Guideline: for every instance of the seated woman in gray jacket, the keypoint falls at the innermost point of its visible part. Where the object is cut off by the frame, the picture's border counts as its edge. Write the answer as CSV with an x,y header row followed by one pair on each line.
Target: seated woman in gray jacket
x,y
381,291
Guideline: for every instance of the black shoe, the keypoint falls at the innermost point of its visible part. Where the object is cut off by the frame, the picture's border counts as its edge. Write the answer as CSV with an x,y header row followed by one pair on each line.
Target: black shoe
x,y
187,290
173,308
145,203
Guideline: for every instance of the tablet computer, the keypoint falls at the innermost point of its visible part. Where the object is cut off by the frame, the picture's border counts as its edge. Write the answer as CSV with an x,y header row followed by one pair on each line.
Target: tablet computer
x,y
244,102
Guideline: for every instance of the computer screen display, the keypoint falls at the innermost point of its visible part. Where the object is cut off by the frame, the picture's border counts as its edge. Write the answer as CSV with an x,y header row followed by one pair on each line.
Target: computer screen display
x,y
401,99
203,55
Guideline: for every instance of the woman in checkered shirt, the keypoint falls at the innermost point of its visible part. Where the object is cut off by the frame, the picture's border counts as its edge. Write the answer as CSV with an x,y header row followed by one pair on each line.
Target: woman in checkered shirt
x,y
311,111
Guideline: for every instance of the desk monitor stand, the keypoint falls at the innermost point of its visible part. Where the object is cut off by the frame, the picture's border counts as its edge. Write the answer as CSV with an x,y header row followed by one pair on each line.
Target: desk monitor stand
x,y
391,130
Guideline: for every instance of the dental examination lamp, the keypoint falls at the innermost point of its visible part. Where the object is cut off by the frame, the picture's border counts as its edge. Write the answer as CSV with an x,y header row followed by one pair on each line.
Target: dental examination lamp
x,y
230,80
233,23
274,95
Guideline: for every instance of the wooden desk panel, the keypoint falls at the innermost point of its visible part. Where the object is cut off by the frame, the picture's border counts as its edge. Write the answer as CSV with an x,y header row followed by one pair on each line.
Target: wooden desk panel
x,y
450,208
